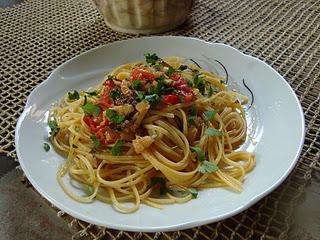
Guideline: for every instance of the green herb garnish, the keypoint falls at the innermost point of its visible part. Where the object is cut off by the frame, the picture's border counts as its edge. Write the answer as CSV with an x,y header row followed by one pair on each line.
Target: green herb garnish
x,y
208,167
136,85
74,146
151,58
46,147
53,125
115,93
90,108
161,182
73,95
209,115
183,193
213,132
140,95
117,148
200,153
193,192
152,99
199,83
114,116
157,67
193,111
191,121
162,87
170,71
189,83
95,140
212,89
89,189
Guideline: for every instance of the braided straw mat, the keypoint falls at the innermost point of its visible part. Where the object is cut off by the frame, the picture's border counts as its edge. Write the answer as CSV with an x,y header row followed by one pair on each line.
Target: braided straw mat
x,y
37,36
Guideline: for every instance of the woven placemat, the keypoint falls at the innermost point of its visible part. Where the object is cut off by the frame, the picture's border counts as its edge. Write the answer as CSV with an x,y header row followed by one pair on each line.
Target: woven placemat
x,y
37,36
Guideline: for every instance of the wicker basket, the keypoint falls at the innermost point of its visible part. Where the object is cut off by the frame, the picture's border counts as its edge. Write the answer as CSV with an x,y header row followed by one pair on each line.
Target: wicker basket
x,y
144,16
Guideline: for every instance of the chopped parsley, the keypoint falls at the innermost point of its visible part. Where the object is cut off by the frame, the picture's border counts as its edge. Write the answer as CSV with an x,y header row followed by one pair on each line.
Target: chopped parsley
x,y
89,189
136,85
162,87
114,116
193,111
193,192
157,67
191,121
160,78
151,58
91,109
140,95
222,82
95,140
189,83
74,146
73,95
117,148
200,153
199,83
46,147
53,125
209,115
213,132
208,167
159,182
212,89
170,71
115,93
185,192
153,99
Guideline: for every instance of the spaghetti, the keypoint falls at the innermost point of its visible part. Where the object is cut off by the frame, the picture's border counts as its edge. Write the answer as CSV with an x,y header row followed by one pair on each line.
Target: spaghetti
x,y
152,133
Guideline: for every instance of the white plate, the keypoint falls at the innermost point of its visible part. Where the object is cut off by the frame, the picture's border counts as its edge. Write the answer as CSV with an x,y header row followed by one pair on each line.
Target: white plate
x,y
276,126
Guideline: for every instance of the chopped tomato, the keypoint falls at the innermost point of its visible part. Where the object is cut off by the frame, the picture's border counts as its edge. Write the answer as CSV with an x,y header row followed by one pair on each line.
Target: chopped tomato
x,y
109,83
176,77
101,135
111,136
188,98
98,127
183,88
88,120
104,101
95,123
171,99
141,74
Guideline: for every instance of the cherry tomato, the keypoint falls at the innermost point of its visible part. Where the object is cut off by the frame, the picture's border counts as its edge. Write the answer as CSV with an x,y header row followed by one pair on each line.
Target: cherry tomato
x,y
104,101
188,98
171,99
95,123
101,135
141,74
109,83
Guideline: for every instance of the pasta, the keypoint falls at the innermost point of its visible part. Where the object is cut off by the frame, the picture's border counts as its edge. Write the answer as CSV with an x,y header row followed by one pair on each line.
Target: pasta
x,y
152,132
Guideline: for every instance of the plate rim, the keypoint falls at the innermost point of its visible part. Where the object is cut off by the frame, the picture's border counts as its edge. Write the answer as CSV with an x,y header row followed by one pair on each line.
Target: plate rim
x,y
179,226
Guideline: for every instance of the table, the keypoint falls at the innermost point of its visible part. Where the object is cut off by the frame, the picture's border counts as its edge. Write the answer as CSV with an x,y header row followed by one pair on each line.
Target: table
x,y
37,36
